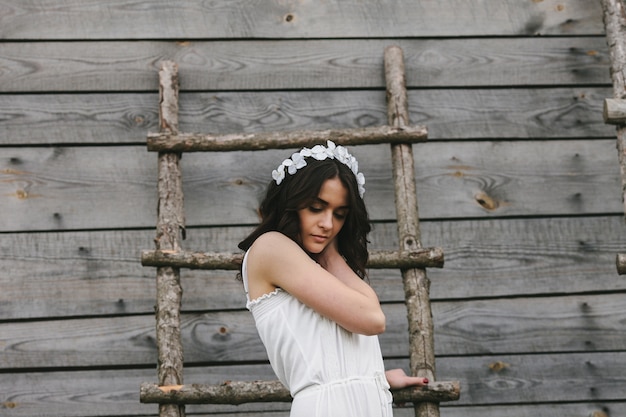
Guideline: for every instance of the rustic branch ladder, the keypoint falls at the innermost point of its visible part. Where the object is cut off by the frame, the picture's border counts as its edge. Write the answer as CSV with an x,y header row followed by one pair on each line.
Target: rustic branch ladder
x,y
614,16
170,392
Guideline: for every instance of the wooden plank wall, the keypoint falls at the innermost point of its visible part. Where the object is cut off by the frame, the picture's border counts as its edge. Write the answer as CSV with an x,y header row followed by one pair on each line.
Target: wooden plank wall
x,y
519,184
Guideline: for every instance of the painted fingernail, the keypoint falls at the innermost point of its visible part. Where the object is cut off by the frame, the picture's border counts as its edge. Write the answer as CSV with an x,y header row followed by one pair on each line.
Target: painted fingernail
x,y
425,380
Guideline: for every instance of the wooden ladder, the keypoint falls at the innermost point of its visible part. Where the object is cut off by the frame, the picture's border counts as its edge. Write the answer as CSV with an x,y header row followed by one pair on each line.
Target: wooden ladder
x,y
614,16
170,392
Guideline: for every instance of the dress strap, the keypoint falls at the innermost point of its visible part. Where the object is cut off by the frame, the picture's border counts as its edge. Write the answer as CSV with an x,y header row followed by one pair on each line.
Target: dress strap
x,y
244,275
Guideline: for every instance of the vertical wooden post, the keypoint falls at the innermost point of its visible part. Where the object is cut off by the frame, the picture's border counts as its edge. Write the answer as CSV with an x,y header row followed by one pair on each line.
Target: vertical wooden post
x,y
614,17
170,230
416,283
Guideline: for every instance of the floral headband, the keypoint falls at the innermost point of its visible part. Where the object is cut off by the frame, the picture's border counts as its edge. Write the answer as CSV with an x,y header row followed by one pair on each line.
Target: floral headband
x,y
320,153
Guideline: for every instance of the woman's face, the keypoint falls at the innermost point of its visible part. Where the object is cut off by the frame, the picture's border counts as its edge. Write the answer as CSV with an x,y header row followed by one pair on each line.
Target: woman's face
x,y
322,219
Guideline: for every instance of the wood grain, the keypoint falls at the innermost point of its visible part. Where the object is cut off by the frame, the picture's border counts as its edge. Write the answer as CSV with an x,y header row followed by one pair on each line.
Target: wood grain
x,y
170,230
66,188
460,114
569,324
149,19
416,258
315,64
519,184
545,382
242,392
614,21
69,274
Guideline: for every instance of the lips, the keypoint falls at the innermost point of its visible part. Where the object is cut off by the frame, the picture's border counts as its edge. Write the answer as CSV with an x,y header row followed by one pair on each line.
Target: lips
x,y
319,238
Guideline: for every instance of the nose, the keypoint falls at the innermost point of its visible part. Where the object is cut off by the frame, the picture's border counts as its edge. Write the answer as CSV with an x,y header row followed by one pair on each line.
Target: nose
x,y
326,220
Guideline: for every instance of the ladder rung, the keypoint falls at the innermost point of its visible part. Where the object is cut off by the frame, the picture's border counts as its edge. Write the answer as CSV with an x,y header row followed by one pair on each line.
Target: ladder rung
x,y
198,142
420,258
240,392
620,261
614,111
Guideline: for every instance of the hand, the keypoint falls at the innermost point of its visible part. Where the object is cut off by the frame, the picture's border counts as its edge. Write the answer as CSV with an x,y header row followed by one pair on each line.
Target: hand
x,y
397,379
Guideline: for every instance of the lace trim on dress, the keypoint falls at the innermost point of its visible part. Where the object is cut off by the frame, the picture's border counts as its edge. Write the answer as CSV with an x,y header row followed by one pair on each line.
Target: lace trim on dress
x,y
264,297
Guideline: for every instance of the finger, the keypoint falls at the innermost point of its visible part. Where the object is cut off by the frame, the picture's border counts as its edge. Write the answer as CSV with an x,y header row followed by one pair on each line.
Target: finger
x,y
414,380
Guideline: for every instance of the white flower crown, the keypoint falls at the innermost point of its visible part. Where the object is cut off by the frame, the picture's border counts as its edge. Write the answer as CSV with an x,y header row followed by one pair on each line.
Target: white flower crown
x,y
320,153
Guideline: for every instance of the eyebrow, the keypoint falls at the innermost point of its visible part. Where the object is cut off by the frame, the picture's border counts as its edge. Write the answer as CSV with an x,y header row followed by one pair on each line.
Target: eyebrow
x,y
325,203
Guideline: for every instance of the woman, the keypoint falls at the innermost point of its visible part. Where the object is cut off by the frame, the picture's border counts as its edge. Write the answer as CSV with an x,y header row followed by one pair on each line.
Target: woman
x,y
303,272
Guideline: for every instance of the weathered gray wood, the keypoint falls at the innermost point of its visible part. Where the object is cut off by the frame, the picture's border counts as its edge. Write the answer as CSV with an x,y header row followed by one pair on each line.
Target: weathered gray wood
x,y
583,323
240,392
539,378
99,273
544,113
423,258
170,229
587,409
614,17
614,111
27,19
260,65
92,94
57,189
228,392
530,383
415,281
199,142
621,263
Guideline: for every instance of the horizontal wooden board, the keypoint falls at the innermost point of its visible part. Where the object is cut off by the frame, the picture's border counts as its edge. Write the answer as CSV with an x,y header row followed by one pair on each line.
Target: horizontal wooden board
x,y
577,409
91,19
63,188
536,378
585,409
99,273
595,383
584,323
315,64
460,114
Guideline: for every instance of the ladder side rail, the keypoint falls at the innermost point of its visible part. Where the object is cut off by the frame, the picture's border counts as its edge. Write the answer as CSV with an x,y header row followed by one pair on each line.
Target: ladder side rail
x,y
614,18
415,281
169,233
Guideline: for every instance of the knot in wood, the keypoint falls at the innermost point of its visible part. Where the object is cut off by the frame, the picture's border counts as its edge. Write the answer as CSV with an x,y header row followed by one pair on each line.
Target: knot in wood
x,y
223,334
498,366
410,243
486,201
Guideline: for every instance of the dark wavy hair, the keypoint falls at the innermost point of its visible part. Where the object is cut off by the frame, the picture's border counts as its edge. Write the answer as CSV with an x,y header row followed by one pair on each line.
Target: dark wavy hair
x,y
279,209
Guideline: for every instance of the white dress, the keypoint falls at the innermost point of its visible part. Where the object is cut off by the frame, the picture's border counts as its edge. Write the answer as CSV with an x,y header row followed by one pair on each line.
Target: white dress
x,y
328,370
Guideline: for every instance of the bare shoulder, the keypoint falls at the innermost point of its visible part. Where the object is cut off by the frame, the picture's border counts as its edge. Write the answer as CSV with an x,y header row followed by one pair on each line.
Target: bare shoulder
x,y
271,237
271,244
272,250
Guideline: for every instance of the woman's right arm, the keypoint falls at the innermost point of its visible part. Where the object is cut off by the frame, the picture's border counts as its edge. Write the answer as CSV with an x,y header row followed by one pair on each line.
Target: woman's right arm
x,y
274,261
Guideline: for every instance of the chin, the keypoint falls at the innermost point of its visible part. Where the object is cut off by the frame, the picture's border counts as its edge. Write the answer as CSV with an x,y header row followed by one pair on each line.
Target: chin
x,y
314,249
